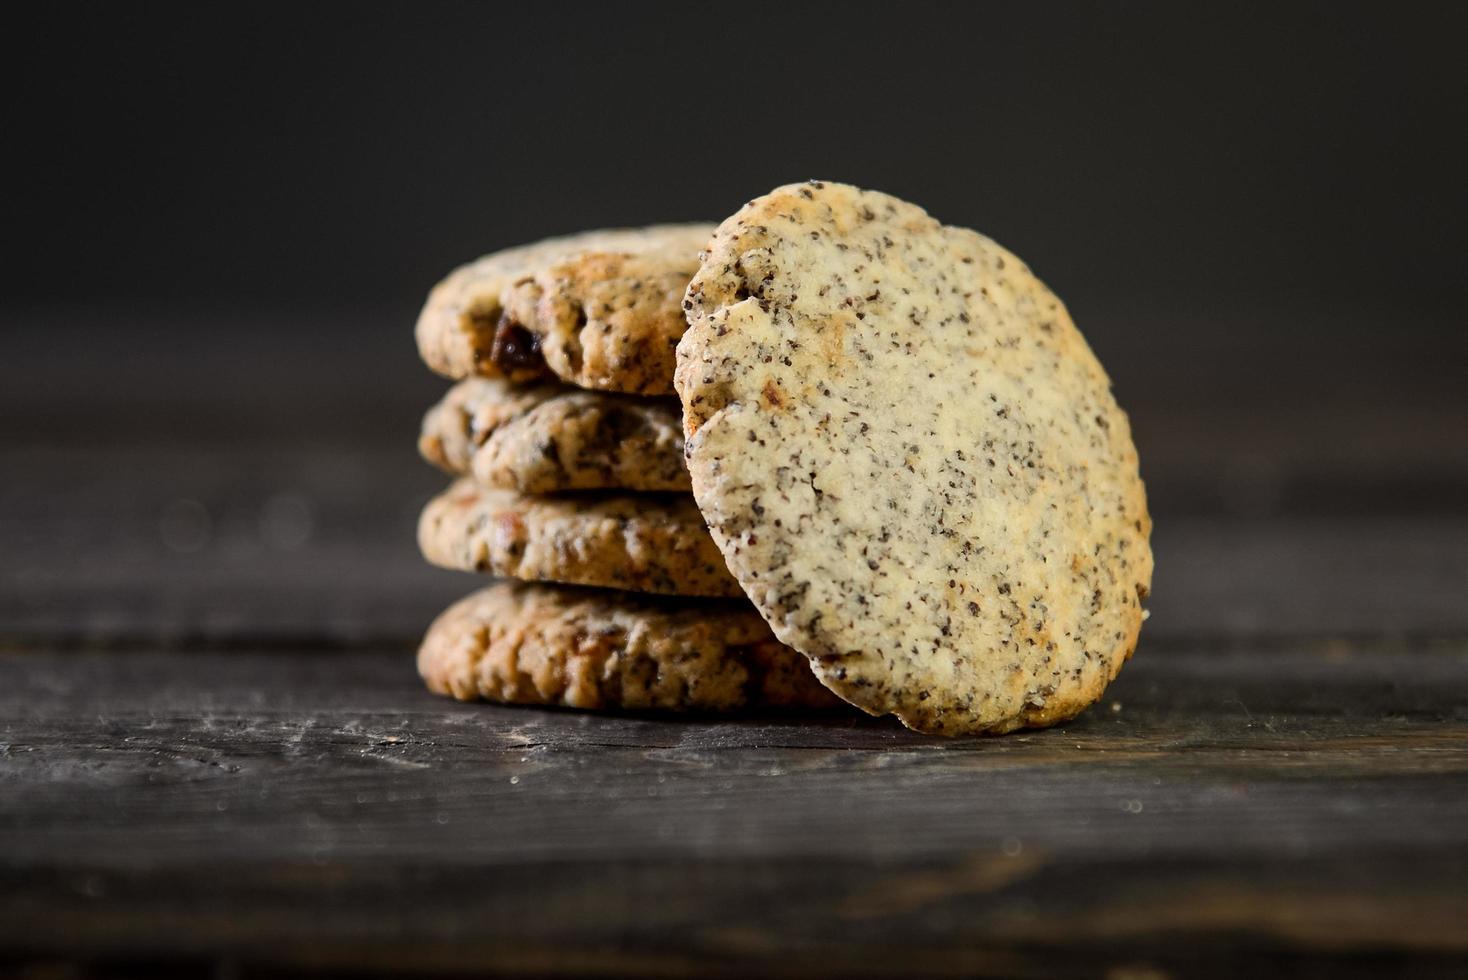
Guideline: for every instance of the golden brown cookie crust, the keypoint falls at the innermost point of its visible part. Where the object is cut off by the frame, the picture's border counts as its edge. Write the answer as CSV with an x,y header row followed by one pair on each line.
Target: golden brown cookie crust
x,y
912,462
471,413
599,310
551,438
521,643
643,543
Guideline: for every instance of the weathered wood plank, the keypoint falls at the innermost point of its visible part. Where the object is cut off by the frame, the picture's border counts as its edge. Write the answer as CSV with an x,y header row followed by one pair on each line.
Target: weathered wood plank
x,y
1234,810
1257,802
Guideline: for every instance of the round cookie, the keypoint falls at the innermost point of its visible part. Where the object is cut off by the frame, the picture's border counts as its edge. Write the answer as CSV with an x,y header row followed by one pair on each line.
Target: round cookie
x,y
550,438
599,309
644,543
912,462
472,413
522,643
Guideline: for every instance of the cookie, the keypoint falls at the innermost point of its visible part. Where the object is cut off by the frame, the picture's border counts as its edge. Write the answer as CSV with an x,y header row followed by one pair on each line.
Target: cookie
x,y
521,643
645,543
600,310
912,462
549,438
472,413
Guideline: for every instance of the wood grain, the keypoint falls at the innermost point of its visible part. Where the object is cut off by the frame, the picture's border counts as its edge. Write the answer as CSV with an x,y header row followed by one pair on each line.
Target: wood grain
x,y
1219,810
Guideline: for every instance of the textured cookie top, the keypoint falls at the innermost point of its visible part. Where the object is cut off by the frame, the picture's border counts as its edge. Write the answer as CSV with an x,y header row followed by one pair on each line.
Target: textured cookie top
x,y
641,542
471,413
550,438
912,462
599,309
583,648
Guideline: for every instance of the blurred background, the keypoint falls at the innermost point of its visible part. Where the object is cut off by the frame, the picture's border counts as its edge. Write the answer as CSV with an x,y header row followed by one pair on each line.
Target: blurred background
x,y
220,226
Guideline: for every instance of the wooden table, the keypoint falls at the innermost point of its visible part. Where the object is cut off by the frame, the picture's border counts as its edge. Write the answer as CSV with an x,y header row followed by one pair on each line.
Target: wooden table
x,y
215,756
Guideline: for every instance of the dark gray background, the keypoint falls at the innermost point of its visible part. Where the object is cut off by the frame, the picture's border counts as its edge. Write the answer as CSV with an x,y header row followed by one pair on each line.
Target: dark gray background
x,y
222,221
1150,160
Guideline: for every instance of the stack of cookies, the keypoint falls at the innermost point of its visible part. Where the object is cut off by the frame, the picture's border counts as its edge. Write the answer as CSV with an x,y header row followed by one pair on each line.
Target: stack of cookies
x,y
893,472
566,448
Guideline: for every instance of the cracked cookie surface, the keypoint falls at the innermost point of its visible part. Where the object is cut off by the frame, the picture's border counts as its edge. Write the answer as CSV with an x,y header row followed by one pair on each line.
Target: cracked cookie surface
x,y
639,542
549,438
599,310
522,643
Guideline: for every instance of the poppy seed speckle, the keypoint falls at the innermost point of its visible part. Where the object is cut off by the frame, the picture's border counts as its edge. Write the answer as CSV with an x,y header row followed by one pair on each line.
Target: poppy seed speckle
x,y
549,438
601,309
952,526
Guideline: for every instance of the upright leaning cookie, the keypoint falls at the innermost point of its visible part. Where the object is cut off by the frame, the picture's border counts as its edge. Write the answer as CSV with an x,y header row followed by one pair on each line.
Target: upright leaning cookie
x,y
912,462
581,648
599,310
